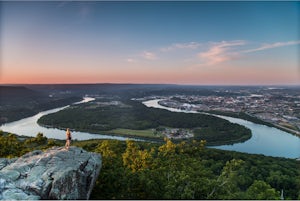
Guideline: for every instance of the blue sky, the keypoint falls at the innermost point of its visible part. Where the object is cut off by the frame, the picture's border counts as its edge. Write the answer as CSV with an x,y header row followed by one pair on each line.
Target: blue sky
x,y
150,42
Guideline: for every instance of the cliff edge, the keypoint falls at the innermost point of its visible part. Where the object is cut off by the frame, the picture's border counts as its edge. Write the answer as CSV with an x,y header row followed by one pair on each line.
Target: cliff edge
x,y
53,174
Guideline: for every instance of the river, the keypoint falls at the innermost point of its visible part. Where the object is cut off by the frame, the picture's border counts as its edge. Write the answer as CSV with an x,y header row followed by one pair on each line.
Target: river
x,y
29,127
265,140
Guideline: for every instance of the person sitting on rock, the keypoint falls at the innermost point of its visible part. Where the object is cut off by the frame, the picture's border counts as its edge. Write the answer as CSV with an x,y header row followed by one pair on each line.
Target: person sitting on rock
x,y
69,137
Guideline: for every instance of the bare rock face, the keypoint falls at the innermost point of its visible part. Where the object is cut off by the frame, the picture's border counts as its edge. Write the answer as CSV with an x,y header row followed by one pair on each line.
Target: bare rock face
x,y
54,174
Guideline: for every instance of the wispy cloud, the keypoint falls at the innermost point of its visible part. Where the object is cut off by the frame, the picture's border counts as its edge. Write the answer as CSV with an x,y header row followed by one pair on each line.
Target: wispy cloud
x,y
149,55
273,45
190,45
130,60
212,53
220,52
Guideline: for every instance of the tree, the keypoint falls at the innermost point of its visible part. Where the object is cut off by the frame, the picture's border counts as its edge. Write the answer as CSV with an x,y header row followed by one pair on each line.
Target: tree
x,y
260,190
225,184
134,158
106,149
168,148
10,146
39,140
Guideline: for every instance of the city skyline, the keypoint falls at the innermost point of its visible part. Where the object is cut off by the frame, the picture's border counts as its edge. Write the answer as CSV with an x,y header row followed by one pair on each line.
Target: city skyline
x,y
199,43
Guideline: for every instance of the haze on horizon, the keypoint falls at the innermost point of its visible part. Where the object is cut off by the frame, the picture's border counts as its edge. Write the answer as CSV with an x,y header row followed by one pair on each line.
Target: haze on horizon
x,y
197,42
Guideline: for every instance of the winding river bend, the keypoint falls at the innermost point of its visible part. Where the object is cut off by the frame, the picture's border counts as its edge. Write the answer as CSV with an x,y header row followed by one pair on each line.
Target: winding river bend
x,y
265,140
29,127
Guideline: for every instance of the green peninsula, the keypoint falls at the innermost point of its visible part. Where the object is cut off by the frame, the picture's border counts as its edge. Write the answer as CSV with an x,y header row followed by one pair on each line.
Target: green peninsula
x,y
131,118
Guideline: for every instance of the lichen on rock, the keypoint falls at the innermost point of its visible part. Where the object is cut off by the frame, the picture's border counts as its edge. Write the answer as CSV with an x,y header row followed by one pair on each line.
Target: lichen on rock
x,y
54,174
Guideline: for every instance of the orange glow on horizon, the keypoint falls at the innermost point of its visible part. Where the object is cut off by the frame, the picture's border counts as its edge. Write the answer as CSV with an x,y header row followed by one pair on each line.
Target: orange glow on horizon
x,y
229,77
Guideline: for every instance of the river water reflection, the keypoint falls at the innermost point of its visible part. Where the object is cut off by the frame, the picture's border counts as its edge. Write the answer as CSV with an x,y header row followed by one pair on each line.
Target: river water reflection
x,y
29,127
265,140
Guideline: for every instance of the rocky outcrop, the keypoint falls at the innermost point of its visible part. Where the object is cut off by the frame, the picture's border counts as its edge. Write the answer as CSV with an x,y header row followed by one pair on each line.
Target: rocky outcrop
x,y
53,174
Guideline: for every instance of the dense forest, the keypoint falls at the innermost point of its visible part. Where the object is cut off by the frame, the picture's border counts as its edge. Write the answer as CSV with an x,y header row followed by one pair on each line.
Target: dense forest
x,y
18,102
185,170
97,117
144,170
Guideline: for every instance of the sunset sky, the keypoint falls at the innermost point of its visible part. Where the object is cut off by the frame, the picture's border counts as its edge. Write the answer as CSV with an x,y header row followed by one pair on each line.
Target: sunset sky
x,y
197,42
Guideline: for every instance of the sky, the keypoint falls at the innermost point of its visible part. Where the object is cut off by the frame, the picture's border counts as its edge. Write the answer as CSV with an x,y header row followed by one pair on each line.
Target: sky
x,y
196,42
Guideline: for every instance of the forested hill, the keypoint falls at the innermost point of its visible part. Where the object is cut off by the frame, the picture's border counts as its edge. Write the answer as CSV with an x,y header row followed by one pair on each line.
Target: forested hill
x,y
18,102
102,117
134,90
16,94
187,170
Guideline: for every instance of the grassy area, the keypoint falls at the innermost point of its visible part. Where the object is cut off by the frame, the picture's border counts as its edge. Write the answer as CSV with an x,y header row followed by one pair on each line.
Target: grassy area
x,y
139,121
140,133
289,126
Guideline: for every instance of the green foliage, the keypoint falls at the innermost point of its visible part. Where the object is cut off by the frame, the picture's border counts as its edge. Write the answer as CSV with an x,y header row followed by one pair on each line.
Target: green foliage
x,y
39,140
18,102
260,190
167,149
134,158
136,116
106,149
11,146
225,184
186,170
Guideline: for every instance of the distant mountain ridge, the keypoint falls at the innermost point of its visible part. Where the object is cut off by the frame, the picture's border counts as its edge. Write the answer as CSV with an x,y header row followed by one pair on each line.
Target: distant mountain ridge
x,y
17,102
11,94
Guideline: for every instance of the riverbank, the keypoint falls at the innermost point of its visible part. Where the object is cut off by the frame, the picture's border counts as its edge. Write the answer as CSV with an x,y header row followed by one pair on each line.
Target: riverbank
x,y
23,110
143,135
133,119
106,133
204,162
240,115
245,116
266,140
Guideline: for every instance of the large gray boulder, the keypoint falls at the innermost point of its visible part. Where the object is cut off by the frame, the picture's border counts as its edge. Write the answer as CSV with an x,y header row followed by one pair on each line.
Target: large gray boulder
x,y
56,173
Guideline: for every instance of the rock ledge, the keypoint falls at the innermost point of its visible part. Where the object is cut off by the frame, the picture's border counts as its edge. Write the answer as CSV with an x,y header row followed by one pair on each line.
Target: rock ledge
x,y
53,174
